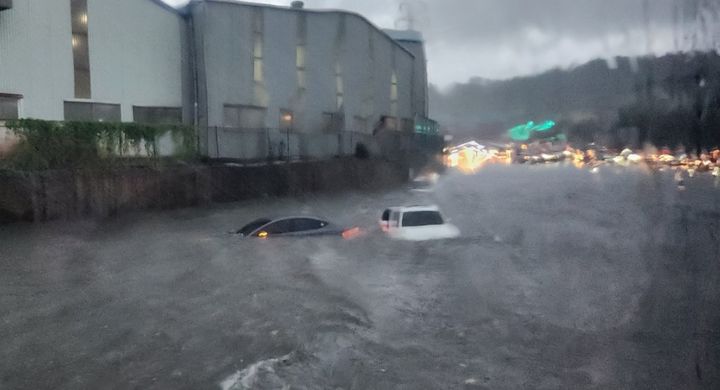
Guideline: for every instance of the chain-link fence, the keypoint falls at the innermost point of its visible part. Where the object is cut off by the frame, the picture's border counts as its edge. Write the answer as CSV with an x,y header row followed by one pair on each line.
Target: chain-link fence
x,y
286,145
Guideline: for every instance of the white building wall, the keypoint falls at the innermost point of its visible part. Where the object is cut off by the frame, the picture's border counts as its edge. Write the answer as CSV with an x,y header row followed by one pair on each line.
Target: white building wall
x,y
382,74
36,56
135,54
357,71
135,47
405,71
227,50
321,58
280,70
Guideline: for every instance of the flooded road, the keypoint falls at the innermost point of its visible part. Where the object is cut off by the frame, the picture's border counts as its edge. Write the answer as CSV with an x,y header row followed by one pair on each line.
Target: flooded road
x,y
562,279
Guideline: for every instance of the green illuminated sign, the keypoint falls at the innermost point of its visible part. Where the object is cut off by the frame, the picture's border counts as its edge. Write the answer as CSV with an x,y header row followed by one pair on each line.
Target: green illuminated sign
x,y
525,132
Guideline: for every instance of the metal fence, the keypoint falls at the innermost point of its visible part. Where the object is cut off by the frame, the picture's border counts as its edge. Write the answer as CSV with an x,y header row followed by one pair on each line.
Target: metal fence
x,y
286,145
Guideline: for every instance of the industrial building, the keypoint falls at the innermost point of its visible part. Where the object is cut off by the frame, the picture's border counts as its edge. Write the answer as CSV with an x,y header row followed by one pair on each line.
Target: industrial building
x,y
243,74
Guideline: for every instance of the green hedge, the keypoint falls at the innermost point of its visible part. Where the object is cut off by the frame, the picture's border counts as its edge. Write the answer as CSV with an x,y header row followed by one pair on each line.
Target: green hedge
x,y
53,145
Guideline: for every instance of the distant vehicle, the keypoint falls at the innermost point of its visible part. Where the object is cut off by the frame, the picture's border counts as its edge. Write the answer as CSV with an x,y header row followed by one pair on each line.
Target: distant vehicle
x,y
294,227
416,223
424,183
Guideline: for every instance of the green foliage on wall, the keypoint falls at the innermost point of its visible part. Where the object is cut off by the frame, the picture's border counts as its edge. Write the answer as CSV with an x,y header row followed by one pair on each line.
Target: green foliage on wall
x,y
56,145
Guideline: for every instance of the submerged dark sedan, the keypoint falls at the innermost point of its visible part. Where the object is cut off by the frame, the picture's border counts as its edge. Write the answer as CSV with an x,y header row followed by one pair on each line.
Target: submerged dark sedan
x,y
294,227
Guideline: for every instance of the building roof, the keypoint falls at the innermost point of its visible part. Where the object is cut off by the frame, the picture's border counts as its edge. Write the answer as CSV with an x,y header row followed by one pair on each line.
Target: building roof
x,y
168,7
315,11
405,35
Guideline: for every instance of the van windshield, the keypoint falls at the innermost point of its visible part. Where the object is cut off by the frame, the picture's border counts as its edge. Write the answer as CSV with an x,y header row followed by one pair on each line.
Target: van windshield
x,y
422,218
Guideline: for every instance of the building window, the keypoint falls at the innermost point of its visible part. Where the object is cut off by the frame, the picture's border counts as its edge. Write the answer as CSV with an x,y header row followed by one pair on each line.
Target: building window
x,y
360,124
287,119
300,50
157,115
80,48
258,45
244,117
5,4
394,95
9,106
389,123
302,83
92,112
339,51
339,87
408,126
333,122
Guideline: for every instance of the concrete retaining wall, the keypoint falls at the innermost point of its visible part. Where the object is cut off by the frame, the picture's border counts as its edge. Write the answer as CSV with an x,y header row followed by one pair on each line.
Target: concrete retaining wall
x,y
62,195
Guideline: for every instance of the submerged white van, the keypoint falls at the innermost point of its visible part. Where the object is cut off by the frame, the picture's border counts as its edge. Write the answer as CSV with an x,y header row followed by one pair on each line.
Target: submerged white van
x,y
417,223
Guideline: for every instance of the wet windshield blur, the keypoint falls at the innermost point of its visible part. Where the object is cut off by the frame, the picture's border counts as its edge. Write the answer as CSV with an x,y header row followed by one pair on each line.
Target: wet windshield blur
x,y
359,195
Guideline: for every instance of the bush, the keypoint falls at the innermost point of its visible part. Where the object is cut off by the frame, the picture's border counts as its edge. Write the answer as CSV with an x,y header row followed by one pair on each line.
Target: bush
x,y
53,145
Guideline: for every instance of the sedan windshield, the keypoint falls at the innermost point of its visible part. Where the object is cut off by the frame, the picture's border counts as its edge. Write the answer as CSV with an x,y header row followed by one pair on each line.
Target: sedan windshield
x,y
252,226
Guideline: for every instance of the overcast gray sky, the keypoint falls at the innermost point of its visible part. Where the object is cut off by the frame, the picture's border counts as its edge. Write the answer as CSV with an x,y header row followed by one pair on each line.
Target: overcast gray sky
x,y
498,39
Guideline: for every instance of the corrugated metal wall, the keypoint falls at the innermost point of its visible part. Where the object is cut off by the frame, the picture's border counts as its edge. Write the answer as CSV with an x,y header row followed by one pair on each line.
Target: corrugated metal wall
x,y
366,67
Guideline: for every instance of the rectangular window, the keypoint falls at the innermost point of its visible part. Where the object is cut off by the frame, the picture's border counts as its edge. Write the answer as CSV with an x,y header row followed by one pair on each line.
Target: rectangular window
x,y
9,107
359,124
408,126
300,51
157,115
80,48
258,70
258,20
300,57
244,117
258,27
5,4
339,86
333,122
258,49
394,95
389,123
301,79
92,112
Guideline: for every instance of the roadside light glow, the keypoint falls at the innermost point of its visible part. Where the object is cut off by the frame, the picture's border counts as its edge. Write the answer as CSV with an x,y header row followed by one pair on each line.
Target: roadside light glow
x,y
263,234
351,233
84,18
75,42
287,118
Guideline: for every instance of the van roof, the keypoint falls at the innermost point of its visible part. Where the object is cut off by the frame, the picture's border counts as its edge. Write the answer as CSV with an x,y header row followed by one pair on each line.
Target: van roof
x,y
406,209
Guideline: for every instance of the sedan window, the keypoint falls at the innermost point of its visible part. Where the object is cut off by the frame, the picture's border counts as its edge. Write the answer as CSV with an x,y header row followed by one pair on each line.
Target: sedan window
x,y
305,224
279,227
252,226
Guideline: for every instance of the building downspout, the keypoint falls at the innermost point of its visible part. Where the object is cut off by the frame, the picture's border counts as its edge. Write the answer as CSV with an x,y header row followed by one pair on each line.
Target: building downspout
x,y
195,81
